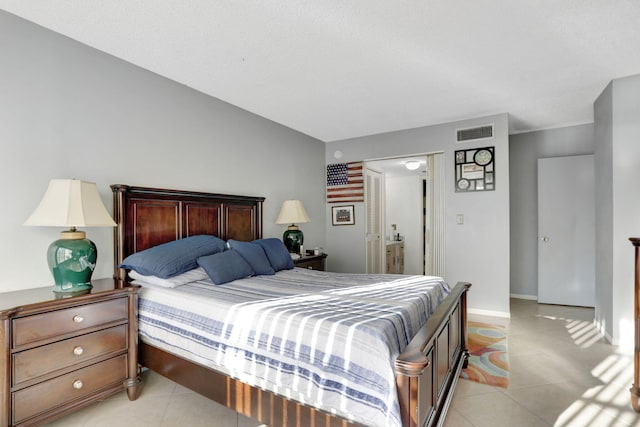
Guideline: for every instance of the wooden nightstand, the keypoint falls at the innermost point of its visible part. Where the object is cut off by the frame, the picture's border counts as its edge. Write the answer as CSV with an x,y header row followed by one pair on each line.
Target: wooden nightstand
x,y
312,262
61,354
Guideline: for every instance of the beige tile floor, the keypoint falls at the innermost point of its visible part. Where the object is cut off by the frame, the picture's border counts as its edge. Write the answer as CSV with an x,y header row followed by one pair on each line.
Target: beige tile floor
x,y
562,375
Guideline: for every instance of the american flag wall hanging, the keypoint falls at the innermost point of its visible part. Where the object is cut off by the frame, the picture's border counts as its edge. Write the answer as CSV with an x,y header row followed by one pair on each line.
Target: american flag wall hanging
x,y
345,182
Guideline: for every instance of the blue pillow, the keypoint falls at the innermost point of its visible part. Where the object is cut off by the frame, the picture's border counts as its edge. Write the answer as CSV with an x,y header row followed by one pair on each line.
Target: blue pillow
x,y
225,267
254,255
173,258
277,253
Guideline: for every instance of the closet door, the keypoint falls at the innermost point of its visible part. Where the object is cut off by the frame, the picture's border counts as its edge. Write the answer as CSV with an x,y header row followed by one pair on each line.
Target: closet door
x,y
375,220
435,216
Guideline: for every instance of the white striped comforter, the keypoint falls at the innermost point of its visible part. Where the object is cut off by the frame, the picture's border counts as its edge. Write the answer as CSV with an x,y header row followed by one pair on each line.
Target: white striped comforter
x,y
325,339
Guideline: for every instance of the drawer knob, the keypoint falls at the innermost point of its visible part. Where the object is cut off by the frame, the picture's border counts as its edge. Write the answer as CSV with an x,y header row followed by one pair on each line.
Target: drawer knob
x,y
78,319
77,384
78,351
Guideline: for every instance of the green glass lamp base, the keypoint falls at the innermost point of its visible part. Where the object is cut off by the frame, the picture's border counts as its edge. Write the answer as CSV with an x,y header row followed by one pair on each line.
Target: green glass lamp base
x,y
293,239
71,262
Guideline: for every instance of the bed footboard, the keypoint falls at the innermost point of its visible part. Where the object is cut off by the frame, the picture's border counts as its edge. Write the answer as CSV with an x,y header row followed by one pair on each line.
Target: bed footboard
x,y
427,371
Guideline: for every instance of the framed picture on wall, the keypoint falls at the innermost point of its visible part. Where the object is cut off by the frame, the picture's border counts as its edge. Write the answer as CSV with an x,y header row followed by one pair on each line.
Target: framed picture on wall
x,y
475,169
342,215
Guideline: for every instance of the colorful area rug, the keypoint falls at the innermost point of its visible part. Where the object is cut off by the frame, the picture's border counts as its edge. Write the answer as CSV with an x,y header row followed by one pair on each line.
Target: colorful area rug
x,y
488,361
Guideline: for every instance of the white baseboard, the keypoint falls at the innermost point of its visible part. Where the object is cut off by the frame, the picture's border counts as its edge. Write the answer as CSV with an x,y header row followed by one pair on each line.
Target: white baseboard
x,y
600,328
489,313
521,296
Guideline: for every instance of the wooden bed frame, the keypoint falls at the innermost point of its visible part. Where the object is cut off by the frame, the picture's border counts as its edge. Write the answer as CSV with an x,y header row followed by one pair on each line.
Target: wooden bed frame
x,y
427,371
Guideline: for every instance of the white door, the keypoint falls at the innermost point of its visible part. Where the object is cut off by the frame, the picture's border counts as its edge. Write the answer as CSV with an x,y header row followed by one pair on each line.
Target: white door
x,y
374,234
435,216
566,231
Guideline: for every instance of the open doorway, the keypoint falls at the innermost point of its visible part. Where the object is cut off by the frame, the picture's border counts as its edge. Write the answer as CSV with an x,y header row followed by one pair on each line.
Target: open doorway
x,y
406,210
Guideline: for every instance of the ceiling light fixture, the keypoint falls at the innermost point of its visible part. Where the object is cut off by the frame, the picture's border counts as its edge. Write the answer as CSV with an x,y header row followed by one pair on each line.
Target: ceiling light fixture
x,y
412,165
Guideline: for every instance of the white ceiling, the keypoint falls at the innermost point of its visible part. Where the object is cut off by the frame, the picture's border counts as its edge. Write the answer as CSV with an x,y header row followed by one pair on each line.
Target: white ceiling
x,y
336,69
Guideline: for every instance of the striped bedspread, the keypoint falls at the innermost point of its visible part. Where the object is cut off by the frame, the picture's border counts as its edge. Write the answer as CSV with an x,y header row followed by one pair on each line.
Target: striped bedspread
x,y
328,340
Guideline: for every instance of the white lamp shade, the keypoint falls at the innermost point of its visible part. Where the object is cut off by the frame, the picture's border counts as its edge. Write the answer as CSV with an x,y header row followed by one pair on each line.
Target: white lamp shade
x,y
71,203
292,212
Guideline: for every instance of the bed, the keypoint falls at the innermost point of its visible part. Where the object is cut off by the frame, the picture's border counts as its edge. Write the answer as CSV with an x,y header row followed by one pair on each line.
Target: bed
x,y
425,371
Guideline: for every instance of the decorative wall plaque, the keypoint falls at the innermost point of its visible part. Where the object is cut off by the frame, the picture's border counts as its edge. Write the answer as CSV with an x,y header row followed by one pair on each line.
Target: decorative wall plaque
x,y
475,170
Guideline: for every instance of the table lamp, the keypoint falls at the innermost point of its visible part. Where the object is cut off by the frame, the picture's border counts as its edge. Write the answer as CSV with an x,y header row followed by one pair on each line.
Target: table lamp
x,y
72,258
292,212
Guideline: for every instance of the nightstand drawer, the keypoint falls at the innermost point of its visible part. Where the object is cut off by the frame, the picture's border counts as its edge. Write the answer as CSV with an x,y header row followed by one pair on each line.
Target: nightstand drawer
x,y
311,265
311,262
39,398
49,358
56,323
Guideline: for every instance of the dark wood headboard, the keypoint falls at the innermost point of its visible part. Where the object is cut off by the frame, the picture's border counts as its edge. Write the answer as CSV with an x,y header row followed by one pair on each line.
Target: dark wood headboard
x,y
147,217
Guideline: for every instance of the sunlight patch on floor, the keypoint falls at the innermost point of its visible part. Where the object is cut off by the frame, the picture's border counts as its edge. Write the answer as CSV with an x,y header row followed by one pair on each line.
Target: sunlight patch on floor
x,y
608,404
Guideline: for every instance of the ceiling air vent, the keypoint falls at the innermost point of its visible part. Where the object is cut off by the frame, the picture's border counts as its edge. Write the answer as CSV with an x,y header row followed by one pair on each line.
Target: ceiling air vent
x,y
473,134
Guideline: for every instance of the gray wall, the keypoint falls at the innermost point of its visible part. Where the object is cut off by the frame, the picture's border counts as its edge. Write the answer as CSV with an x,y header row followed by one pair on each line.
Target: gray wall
x,y
618,215
603,116
477,251
524,150
70,111
613,138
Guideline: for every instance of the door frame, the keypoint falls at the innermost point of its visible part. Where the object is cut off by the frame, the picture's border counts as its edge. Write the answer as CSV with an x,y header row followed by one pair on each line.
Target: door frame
x,y
436,237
